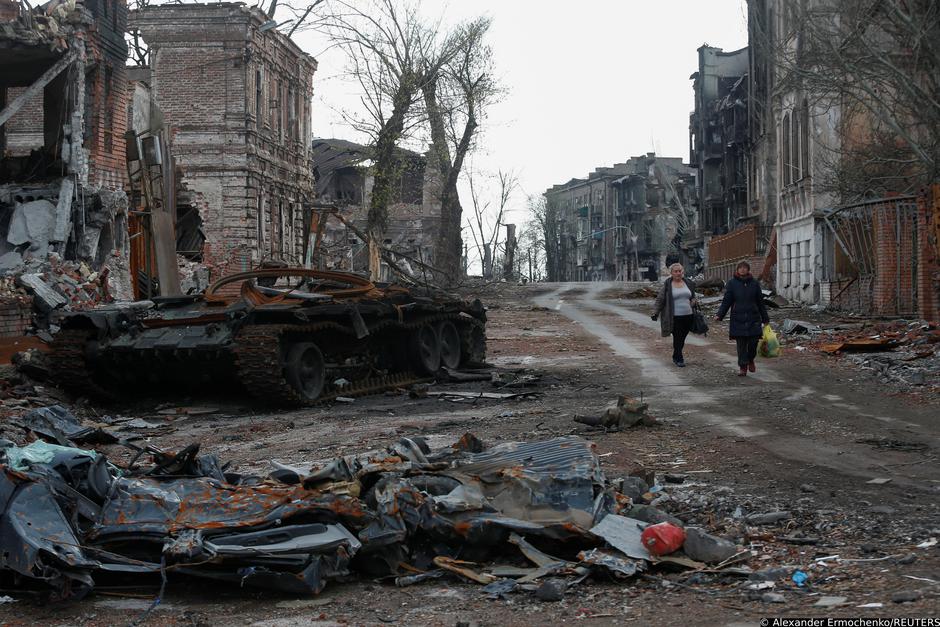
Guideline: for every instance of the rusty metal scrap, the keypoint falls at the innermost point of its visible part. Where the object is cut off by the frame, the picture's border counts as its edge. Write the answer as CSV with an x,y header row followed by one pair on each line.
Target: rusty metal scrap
x,y
68,515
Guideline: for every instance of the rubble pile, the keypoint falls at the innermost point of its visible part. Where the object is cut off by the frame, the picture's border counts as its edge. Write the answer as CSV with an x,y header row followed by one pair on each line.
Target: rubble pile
x,y
50,24
899,351
55,283
537,517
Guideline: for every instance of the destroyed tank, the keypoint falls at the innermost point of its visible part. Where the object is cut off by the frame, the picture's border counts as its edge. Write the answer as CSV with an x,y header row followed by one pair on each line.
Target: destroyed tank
x,y
290,336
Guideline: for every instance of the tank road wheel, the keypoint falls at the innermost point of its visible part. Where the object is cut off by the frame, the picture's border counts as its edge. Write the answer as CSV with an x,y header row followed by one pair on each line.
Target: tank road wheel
x,y
305,370
424,350
449,339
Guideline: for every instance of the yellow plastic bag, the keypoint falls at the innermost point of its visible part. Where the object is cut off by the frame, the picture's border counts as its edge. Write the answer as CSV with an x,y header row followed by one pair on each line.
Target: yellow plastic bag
x,y
769,345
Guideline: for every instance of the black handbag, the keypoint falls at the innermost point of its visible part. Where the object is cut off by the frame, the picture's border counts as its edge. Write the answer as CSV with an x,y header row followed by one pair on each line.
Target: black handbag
x,y
699,326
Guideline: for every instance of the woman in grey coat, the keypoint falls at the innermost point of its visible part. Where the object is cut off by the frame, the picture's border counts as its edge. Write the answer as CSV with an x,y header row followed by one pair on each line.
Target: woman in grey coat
x,y
674,308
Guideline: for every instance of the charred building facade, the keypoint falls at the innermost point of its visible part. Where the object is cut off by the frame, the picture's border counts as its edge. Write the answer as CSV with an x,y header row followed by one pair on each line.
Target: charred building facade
x,y
344,179
236,97
718,133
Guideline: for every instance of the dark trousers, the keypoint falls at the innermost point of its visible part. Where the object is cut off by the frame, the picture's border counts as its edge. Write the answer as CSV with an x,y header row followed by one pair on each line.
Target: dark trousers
x,y
681,325
747,349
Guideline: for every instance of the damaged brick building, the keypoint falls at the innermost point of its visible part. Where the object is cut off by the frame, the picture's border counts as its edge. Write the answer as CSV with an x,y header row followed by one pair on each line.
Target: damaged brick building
x,y
236,95
342,170
63,211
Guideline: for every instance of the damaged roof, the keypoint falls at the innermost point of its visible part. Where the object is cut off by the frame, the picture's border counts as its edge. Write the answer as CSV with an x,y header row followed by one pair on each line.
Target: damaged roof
x,y
331,154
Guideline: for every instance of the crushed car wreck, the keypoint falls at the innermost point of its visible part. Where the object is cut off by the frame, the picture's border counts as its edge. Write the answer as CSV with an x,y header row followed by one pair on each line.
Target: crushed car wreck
x,y
408,513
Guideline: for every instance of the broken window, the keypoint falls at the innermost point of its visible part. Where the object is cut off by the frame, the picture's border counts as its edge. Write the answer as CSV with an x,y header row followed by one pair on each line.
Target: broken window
x,y
291,114
804,141
785,151
795,146
260,224
259,99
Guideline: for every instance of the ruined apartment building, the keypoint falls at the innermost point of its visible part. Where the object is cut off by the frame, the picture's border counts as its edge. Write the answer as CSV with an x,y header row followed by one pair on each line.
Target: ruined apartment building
x,y
344,178
735,226
236,94
62,121
626,221
718,137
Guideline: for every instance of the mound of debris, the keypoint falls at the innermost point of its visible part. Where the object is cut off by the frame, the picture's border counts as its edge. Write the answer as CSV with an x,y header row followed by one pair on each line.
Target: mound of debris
x,y
898,351
543,510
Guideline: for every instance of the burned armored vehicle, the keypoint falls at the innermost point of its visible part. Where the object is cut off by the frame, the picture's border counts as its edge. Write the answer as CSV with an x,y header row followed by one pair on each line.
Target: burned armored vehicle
x,y
290,336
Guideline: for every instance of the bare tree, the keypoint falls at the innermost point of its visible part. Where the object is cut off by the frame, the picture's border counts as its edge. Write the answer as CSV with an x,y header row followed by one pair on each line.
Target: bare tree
x,y
456,96
878,61
485,223
546,217
391,53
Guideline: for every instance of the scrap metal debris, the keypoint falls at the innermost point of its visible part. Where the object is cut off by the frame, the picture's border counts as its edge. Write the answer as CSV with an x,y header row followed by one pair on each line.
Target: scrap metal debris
x,y
69,516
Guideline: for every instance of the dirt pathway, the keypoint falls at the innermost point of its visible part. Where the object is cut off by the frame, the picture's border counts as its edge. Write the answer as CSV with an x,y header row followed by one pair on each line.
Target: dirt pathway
x,y
795,408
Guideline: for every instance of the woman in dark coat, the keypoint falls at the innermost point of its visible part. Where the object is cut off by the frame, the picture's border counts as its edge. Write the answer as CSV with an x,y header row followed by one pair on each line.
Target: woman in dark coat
x,y
675,302
748,315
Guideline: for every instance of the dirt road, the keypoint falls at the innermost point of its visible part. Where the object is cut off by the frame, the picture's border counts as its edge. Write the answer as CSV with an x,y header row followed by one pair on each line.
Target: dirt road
x,y
799,410
786,438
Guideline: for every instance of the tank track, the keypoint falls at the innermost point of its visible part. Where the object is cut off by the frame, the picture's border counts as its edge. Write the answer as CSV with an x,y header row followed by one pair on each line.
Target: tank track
x,y
259,368
68,365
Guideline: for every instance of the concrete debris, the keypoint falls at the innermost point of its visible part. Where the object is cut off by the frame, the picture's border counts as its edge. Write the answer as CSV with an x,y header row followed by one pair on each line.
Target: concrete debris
x,y
653,515
44,297
10,261
790,327
551,590
769,518
704,547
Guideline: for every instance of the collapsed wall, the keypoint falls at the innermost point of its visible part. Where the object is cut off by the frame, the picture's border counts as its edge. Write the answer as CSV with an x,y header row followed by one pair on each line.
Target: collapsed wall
x,y
63,210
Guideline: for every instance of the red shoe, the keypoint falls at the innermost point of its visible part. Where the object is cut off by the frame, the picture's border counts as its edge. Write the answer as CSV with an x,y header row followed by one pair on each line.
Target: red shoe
x,y
743,372
751,366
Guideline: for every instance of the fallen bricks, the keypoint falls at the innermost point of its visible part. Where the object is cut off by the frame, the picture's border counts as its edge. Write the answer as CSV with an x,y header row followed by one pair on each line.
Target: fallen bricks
x,y
504,516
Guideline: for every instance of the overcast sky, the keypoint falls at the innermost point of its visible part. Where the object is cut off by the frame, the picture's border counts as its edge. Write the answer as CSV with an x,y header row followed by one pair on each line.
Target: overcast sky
x,y
590,83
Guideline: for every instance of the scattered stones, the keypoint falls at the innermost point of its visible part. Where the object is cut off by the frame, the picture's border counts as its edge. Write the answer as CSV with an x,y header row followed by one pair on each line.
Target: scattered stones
x,y
910,558
653,515
830,601
808,487
773,597
768,518
704,547
770,574
551,590
635,488
906,596
882,509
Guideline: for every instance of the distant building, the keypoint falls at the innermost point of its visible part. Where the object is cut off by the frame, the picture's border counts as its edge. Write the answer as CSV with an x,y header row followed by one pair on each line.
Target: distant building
x,y
626,221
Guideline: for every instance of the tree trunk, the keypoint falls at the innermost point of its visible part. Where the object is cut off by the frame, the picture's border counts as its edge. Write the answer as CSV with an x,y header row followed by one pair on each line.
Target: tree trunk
x,y
384,173
447,249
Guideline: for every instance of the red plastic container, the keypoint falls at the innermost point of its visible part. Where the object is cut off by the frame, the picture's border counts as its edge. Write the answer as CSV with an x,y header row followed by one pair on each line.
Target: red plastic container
x,y
663,538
